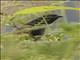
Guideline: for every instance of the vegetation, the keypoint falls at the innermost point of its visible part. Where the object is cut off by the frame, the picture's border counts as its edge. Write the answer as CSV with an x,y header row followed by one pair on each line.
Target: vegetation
x,y
61,43
16,47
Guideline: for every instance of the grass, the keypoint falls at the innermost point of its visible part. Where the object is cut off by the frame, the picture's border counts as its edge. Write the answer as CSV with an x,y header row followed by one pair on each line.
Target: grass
x,y
16,47
22,46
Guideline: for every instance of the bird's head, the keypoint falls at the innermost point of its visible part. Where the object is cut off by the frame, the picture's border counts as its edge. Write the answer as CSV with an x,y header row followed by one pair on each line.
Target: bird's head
x,y
51,18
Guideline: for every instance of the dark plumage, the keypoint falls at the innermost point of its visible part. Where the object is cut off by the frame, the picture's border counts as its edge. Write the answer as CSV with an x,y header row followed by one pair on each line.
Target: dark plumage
x,y
37,33
49,19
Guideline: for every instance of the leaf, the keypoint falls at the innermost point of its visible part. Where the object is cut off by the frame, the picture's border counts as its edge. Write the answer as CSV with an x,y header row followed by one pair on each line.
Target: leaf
x,y
43,9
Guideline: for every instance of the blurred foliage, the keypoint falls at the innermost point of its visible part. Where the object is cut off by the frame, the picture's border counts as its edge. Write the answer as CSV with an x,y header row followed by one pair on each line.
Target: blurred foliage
x,y
16,47
63,44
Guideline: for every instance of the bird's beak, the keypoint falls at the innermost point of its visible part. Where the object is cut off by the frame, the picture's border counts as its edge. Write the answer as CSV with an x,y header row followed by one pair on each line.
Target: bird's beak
x,y
60,16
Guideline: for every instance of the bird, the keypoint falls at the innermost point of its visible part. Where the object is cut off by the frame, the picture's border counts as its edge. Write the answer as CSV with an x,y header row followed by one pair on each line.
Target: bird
x,y
36,34
48,18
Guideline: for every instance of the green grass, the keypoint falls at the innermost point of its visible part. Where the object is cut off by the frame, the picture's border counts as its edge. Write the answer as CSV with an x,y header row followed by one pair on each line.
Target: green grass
x,y
16,47
22,46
